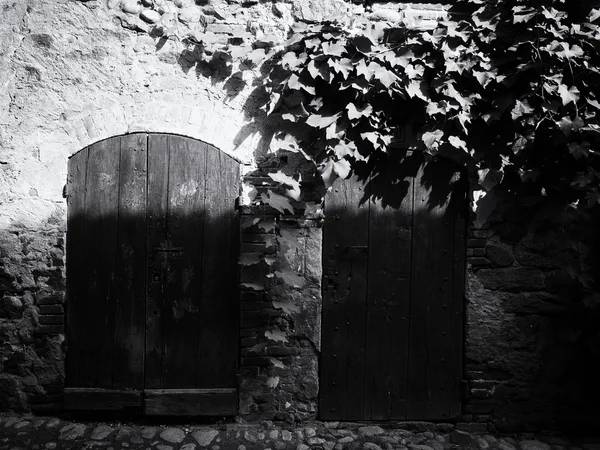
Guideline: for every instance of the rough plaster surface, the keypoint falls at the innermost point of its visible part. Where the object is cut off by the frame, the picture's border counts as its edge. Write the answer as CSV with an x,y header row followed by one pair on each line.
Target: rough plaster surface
x,y
76,72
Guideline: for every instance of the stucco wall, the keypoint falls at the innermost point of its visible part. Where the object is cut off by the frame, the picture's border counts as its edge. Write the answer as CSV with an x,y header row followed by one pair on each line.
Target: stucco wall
x,y
75,72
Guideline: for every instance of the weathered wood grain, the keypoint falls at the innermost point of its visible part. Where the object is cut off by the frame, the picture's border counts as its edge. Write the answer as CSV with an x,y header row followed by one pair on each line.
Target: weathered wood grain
x,y
75,265
156,226
218,328
345,252
387,329
190,402
183,281
130,319
89,399
431,318
101,219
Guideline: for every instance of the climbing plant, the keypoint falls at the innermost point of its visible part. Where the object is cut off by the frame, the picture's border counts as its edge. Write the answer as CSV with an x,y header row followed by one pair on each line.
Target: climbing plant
x,y
508,89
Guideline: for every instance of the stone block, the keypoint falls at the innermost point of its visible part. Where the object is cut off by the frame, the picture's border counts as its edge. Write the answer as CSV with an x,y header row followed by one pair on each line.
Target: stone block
x,y
512,279
50,329
51,319
475,243
499,256
51,309
11,308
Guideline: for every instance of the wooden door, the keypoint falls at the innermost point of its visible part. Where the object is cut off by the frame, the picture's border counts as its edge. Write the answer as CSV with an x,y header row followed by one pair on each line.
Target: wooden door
x,y
152,249
393,282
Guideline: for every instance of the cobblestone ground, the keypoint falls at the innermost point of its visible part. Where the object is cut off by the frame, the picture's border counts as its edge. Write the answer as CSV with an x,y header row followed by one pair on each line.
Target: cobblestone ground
x,y
40,433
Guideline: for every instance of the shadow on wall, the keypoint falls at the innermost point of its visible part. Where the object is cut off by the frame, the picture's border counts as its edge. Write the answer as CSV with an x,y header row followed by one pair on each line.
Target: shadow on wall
x,y
152,299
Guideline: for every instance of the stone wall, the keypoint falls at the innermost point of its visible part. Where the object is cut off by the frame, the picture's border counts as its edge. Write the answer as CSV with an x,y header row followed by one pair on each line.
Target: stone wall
x,y
525,363
75,72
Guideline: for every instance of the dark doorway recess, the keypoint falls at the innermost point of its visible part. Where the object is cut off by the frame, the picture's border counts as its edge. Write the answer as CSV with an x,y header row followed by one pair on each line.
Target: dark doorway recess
x,y
152,277
393,286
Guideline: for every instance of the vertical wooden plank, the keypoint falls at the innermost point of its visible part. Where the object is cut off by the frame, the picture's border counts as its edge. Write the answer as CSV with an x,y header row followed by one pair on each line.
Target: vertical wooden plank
x,y
183,286
345,241
102,191
77,286
388,299
459,208
130,324
218,330
431,306
156,231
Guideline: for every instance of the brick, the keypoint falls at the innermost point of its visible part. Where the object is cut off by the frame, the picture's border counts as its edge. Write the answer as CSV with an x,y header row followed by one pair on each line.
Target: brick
x,y
282,351
248,341
261,238
257,247
51,320
257,361
481,234
249,332
51,309
50,329
474,243
46,298
478,262
253,306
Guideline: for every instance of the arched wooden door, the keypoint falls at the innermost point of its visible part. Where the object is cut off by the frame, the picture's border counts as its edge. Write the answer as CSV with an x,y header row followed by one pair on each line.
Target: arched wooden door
x,y
152,250
393,285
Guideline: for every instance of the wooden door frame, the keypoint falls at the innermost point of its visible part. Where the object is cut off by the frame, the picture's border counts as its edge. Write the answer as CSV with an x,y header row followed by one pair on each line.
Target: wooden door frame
x,y
76,398
459,314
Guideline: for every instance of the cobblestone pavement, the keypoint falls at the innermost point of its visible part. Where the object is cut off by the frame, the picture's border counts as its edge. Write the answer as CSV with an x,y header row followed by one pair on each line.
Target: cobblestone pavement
x,y
52,433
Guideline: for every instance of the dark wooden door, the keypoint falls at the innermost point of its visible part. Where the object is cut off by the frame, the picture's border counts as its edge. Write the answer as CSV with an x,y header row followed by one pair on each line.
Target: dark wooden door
x,y
393,282
152,249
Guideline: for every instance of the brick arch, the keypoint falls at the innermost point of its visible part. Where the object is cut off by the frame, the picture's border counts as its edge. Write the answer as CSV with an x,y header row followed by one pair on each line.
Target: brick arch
x,y
213,125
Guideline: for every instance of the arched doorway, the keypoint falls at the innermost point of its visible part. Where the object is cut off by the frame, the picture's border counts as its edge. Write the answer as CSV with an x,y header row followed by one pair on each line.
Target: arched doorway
x,y
152,279
393,286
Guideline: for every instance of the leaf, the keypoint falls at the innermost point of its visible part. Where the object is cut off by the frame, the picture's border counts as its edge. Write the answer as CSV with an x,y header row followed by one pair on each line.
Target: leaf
x,y
431,138
295,83
253,286
279,202
488,178
593,102
276,335
385,76
272,382
356,113
342,149
319,121
290,60
286,307
521,108
568,95
569,52
484,77
579,150
342,168
334,48
418,89
362,43
286,180
256,56
277,363
342,66
458,143
267,225
291,278
522,14
592,300
248,222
